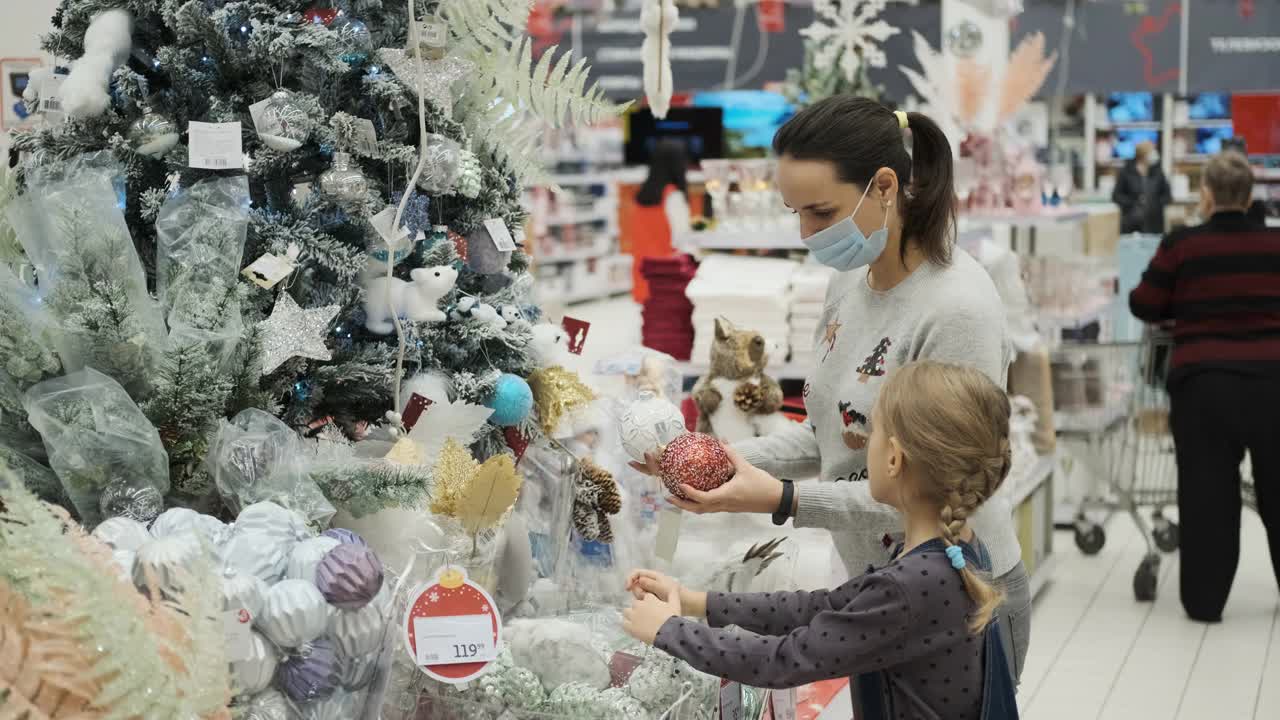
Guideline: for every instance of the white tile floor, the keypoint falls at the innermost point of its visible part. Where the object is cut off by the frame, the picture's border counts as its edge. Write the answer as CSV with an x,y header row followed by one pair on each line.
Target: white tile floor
x,y
1095,652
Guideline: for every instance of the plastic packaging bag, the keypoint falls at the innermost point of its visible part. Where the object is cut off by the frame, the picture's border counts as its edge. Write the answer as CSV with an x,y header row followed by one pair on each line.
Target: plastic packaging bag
x,y
90,276
255,457
38,478
27,352
207,316
200,234
97,440
645,369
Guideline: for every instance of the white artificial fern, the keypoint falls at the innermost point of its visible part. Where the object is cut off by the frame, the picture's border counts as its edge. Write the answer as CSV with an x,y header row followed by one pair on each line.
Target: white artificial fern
x,y
512,99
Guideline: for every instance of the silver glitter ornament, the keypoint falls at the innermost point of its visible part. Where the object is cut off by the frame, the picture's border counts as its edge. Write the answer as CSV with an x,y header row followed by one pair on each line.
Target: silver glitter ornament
x,y
344,181
294,332
286,121
119,499
470,175
153,134
964,39
438,76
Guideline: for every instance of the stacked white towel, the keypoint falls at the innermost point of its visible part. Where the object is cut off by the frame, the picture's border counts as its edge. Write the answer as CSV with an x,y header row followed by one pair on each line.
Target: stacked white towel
x,y
751,292
808,297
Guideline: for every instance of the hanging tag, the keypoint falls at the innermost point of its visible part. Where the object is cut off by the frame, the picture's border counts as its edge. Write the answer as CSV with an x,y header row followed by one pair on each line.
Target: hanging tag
x,y
267,271
235,628
414,409
501,235
51,96
730,700
577,330
366,138
215,146
668,533
382,223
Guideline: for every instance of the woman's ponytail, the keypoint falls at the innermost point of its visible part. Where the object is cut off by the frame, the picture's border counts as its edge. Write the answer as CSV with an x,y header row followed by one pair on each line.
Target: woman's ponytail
x,y
929,208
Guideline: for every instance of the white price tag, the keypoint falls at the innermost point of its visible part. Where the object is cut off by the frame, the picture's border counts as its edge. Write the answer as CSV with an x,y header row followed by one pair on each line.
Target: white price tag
x,y
668,532
501,235
454,639
268,270
366,138
235,628
215,146
265,123
435,33
383,221
730,700
51,94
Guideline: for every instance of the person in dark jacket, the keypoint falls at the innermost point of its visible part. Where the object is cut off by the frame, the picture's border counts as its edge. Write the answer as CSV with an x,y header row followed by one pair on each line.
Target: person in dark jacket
x,y
1219,285
1142,192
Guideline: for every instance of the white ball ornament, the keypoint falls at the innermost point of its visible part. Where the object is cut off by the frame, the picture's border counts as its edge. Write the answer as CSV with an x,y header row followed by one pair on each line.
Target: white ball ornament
x,y
648,424
174,521
253,674
357,633
306,555
268,518
240,591
258,554
295,613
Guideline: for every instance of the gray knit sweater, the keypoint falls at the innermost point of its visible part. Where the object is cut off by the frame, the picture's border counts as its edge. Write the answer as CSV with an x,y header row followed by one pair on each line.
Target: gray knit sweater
x,y
949,314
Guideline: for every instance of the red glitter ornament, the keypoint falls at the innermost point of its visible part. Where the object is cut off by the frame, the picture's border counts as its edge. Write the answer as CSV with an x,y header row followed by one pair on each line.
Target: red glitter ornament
x,y
696,460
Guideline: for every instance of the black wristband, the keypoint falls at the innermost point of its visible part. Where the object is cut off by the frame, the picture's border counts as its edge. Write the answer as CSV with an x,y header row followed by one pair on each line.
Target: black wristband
x,y
784,506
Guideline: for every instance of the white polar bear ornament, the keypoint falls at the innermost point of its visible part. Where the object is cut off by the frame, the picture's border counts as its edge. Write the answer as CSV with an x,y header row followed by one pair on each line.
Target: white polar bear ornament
x,y
549,345
414,301
488,314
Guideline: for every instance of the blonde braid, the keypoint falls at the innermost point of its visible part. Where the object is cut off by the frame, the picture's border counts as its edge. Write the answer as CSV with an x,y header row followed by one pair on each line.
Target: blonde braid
x,y
953,424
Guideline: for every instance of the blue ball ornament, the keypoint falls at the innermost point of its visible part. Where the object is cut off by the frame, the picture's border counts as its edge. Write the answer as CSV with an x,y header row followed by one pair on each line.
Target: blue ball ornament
x,y
512,401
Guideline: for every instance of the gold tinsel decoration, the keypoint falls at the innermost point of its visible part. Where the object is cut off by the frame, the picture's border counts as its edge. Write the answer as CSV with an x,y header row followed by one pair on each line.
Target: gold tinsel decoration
x,y
556,393
453,472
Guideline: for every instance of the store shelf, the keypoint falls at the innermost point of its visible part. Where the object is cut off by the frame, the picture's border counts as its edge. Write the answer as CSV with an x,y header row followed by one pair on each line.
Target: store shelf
x,y
1033,479
789,371
562,258
1060,217
782,238
1149,125
586,218
599,294
1196,124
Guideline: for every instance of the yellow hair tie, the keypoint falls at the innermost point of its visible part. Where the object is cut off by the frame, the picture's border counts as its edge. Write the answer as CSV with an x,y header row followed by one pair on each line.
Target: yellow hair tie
x,y
902,119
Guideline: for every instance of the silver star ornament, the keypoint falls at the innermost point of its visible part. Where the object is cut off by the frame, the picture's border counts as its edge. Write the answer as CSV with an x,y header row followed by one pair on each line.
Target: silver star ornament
x,y
294,332
438,76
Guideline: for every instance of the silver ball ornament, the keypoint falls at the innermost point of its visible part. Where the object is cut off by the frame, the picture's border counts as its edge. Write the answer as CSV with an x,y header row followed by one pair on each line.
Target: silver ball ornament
x,y
260,555
164,564
344,182
647,424
122,533
253,674
294,613
964,39
357,632
240,590
270,704
153,134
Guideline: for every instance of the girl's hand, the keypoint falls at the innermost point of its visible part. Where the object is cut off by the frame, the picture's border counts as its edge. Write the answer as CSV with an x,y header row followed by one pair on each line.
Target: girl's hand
x,y
693,603
751,490
646,616
650,466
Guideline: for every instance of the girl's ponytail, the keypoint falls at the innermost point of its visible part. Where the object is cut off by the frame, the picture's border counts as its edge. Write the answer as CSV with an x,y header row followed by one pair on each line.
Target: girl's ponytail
x,y
929,208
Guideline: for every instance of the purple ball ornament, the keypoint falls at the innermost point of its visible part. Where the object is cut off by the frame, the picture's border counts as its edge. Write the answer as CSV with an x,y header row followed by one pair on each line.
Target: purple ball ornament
x,y
345,536
312,674
349,576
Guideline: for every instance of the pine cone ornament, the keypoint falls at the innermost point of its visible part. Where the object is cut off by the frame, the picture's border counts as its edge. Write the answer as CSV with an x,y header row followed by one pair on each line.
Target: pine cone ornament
x,y
610,500
748,397
596,497
586,520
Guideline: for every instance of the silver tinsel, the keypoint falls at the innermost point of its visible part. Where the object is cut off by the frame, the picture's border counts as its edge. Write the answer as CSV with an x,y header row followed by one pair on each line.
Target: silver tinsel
x,y
143,504
438,75
294,332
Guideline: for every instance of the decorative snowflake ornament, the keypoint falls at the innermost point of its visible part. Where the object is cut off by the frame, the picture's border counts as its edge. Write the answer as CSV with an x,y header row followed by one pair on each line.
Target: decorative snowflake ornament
x,y
847,33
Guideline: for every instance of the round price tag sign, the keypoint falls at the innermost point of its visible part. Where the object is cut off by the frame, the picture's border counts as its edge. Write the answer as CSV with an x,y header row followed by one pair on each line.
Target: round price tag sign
x,y
452,629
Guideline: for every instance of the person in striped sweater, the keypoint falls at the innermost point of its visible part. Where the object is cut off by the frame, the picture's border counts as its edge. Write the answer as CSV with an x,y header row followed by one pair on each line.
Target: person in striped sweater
x,y
1218,284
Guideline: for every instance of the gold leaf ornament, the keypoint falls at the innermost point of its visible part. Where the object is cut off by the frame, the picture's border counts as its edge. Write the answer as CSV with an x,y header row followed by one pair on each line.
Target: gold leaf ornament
x,y
492,492
454,472
557,392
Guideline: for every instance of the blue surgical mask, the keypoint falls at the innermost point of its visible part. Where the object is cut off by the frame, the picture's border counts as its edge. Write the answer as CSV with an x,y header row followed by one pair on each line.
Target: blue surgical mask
x,y
844,247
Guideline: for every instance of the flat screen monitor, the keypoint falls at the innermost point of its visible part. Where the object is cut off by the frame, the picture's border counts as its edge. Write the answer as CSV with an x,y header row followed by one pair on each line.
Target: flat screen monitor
x,y
1129,107
1209,106
701,129
1213,140
1126,142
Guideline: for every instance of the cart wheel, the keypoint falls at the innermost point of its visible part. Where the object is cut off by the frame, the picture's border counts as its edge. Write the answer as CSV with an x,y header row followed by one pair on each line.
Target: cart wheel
x,y
1166,536
1144,581
1090,539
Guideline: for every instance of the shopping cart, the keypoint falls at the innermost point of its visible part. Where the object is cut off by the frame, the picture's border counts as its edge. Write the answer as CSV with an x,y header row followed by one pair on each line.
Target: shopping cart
x,y
1111,396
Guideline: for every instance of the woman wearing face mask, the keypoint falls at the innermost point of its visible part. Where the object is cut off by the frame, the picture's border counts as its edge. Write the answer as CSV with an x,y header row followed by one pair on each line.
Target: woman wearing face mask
x,y
884,218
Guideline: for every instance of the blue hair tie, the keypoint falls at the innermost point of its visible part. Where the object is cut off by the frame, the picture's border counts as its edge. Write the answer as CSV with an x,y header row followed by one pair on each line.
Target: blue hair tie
x,y
957,556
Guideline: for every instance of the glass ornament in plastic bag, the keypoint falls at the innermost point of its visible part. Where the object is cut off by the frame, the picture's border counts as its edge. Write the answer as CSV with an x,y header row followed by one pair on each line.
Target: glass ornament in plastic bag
x,y
207,317
96,438
255,458
354,37
153,134
442,162
285,123
344,181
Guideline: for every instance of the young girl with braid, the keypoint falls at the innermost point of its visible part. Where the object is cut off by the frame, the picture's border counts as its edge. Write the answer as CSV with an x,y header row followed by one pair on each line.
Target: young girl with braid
x,y
915,636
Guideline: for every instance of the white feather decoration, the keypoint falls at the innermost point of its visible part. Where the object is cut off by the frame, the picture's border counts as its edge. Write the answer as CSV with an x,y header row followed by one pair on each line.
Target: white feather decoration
x,y
107,44
658,18
444,420
936,89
